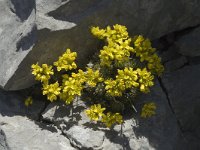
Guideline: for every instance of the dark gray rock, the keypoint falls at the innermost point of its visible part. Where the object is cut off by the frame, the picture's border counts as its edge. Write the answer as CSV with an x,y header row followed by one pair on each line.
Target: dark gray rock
x,y
194,60
3,142
66,24
175,64
12,103
183,87
189,44
170,54
162,130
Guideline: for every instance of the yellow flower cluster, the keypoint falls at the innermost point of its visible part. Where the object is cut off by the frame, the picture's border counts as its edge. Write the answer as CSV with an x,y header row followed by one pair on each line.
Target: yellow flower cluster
x,y
148,110
121,76
129,78
93,77
111,118
66,61
144,50
145,80
118,48
52,91
125,79
117,33
72,86
96,113
42,73
114,87
96,31
28,101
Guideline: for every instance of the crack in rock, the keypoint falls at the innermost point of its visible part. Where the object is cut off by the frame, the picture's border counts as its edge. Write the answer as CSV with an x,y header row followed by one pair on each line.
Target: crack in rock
x,y
85,138
47,122
170,104
40,119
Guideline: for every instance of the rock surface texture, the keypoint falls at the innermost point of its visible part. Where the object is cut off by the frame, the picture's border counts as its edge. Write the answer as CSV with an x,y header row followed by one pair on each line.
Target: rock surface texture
x,y
60,127
181,83
3,142
134,134
183,87
41,30
65,24
189,44
23,133
17,37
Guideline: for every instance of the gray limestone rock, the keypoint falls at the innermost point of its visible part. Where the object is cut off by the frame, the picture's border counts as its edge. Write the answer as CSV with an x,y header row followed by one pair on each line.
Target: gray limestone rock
x,y
65,24
183,87
17,37
158,132
24,134
189,44
64,116
3,142
85,138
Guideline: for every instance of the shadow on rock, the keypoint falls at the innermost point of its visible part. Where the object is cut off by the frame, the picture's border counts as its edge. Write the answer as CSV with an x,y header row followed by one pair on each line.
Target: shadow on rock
x,y
12,103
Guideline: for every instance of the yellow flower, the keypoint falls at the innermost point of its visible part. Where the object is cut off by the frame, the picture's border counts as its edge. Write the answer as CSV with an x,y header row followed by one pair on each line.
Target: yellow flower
x,y
145,80
98,32
144,50
118,48
109,119
114,87
28,101
42,73
95,112
128,76
52,91
148,110
80,76
125,79
72,87
66,61
93,77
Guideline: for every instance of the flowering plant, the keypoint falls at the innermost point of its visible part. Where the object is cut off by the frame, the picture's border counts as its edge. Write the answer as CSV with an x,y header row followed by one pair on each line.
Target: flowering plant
x,y
125,67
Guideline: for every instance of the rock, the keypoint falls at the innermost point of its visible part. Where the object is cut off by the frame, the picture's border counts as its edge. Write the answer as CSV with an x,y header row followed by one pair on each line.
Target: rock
x,y
162,130
3,142
66,24
12,103
175,64
25,134
170,38
183,87
43,20
17,37
189,44
170,54
64,116
158,132
85,138
194,60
